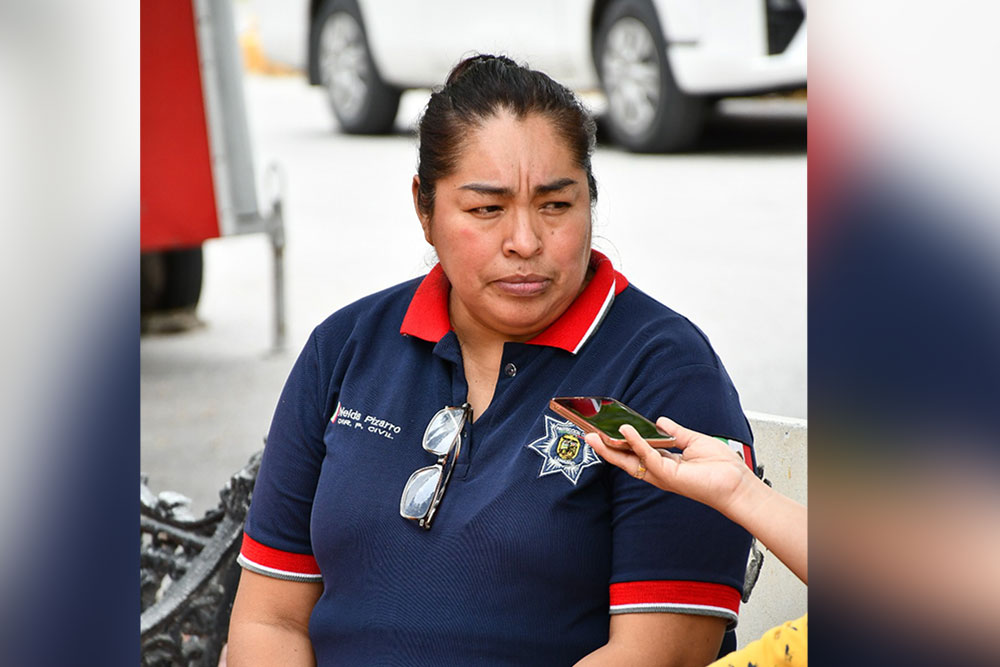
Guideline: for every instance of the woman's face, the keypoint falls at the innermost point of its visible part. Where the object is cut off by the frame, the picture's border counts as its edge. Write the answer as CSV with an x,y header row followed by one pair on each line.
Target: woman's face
x,y
511,227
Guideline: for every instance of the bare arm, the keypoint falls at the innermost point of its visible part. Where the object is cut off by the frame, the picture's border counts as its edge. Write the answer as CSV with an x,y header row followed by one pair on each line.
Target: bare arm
x,y
661,639
779,522
711,473
270,622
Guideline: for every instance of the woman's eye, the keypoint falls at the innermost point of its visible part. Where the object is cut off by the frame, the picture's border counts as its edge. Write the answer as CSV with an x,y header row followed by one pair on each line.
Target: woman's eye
x,y
484,210
556,205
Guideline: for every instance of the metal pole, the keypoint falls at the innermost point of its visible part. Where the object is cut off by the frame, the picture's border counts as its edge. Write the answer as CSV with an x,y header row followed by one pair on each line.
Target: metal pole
x,y
277,233
276,230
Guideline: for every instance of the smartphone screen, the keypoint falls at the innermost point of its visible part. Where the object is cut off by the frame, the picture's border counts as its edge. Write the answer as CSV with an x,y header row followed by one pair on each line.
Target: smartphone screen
x,y
606,415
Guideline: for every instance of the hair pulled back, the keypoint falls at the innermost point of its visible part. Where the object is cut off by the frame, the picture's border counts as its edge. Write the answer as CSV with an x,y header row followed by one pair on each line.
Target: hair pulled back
x,y
481,87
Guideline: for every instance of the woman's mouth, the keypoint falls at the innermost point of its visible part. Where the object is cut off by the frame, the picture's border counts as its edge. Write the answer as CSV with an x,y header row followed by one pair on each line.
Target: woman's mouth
x,y
522,285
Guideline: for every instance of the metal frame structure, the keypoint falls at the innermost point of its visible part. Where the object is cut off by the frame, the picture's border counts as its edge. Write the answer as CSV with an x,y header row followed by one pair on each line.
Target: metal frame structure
x,y
189,573
229,139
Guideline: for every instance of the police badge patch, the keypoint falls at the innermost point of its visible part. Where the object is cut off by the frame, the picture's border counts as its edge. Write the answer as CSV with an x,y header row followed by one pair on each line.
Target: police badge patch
x,y
563,450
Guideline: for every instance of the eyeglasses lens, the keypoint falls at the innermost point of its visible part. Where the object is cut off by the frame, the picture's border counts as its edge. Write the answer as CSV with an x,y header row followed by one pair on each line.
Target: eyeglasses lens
x,y
418,494
443,431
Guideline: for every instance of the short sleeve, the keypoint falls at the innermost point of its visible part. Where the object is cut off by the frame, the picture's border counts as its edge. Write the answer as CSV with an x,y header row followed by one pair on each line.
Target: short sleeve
x,y
276,540
670,553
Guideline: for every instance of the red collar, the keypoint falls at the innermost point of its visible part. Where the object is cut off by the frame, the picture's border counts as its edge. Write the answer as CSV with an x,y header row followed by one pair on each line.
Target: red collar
x,y
427,316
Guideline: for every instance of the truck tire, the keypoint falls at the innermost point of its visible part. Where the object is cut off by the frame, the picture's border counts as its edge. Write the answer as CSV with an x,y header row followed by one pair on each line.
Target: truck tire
x,y
647,112
170,280
361,101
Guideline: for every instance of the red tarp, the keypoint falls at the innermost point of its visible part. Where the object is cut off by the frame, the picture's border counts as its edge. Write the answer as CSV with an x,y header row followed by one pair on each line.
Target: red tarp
x,y
177,194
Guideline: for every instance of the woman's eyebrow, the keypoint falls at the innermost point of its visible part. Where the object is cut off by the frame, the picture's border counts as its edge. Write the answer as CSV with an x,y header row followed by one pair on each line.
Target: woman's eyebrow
x,y
554,186
502,191
485,189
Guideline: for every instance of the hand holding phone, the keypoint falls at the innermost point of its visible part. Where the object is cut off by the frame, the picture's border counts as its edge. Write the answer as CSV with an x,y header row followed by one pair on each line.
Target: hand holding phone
x,y
604,416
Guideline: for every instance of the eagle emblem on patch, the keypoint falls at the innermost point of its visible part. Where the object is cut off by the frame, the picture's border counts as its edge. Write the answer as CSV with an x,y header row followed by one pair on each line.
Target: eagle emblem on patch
x,y
563,450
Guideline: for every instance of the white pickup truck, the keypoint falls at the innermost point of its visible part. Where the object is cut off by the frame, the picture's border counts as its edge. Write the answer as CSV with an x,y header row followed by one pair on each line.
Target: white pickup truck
x,y
660,63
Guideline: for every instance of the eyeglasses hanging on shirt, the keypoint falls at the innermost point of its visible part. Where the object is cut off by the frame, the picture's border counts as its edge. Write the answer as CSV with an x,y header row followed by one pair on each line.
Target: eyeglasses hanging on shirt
x,y
425,488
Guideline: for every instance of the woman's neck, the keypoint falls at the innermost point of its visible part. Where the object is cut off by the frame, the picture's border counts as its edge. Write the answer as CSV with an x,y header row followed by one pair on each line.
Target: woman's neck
x,y
482,352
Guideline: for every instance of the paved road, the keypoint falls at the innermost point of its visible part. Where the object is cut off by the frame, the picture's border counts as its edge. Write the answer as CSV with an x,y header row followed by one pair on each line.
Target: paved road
x,y
719,236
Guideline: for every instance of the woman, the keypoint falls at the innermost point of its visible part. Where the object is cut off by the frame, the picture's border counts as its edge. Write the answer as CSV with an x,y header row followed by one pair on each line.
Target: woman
x,y
429,400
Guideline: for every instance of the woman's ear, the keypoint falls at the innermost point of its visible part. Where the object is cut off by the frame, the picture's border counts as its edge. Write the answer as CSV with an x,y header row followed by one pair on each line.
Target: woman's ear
x,y
425,220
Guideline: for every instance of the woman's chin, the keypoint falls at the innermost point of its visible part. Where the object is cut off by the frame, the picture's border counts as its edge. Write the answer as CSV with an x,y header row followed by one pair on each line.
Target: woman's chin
x,y
521,327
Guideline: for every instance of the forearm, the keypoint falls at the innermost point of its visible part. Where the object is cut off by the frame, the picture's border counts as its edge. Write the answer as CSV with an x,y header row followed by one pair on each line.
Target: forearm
x,y
659,640
779,522
255,643
610,655
613,655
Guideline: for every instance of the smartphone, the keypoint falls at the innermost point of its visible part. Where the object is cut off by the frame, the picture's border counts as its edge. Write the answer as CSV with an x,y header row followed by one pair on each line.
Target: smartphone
x,y
603,416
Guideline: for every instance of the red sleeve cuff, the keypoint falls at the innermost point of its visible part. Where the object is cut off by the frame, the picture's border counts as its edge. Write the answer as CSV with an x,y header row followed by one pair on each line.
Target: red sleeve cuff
x,y
681,597
270,562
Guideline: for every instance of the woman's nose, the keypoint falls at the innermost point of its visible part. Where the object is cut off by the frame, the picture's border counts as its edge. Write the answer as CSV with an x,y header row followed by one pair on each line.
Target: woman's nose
x,y
523,237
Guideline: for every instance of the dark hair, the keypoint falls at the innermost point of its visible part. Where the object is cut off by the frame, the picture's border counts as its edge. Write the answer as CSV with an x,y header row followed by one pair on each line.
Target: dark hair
x,y
479,88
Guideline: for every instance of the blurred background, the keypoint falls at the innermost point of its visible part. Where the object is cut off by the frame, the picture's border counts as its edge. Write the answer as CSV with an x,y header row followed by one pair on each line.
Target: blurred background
x,y
714,228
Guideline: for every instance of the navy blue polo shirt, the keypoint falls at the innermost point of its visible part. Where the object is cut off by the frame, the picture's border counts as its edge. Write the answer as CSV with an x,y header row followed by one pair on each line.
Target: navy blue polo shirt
x,y
533,544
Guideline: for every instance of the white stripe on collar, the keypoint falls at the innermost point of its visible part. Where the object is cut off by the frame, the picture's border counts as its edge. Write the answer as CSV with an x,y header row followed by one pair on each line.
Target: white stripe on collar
x,y
600,316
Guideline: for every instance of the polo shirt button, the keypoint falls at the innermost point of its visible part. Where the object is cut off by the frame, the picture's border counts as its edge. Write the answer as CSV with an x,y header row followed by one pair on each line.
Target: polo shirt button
x,y
510,370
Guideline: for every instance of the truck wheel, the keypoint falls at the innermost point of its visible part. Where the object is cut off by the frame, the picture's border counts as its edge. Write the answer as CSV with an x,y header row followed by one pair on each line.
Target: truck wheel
x,y
647,113
361,101
170,280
